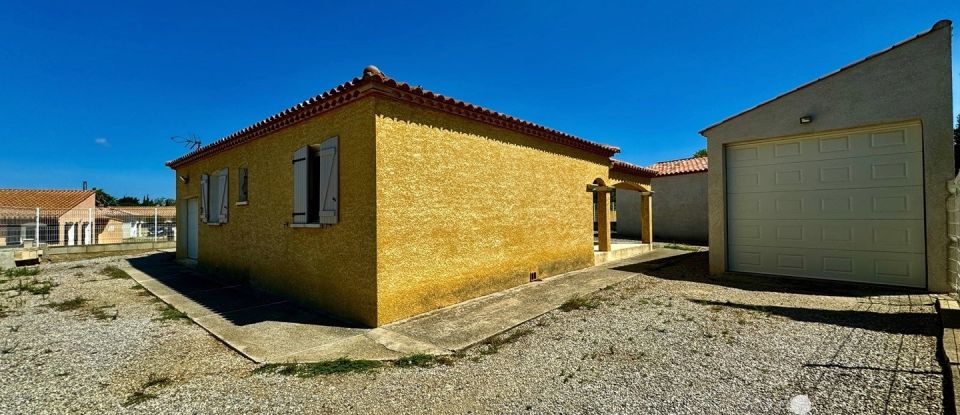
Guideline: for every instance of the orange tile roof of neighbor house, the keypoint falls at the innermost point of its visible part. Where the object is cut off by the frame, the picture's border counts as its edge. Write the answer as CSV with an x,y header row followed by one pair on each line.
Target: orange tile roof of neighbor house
x,y
624,167
374,82
681,166
43,198
937,26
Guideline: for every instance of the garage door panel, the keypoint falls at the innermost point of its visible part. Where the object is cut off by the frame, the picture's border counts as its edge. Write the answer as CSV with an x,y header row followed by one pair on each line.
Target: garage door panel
x,y
903,269
844,205
847,173
850,235
832,146
883,203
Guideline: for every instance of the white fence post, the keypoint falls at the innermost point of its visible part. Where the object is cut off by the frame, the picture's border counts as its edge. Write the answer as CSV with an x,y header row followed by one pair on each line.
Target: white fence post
x,y
155,230
36,233
91,226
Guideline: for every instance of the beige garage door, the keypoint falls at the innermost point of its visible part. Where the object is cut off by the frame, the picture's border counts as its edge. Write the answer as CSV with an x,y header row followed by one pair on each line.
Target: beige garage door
x,y
844,206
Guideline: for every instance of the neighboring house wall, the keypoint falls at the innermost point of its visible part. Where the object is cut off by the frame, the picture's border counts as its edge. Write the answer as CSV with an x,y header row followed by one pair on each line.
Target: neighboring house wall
x,y
628,201
466,209
909,82
334,267
680,208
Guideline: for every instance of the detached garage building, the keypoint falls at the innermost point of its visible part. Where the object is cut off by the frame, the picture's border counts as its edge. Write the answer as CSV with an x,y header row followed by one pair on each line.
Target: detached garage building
x,y
842,178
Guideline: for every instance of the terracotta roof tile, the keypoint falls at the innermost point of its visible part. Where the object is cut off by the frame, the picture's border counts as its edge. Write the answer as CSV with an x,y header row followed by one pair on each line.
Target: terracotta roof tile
x,y
43,198
374,82
681,166
624,167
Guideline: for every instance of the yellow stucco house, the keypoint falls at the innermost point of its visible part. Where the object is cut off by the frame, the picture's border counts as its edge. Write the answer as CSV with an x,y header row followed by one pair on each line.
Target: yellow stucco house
x,y
377,200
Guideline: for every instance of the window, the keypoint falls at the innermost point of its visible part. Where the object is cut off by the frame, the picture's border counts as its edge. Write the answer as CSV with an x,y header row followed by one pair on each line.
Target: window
x,y
242,184
316,183
213,198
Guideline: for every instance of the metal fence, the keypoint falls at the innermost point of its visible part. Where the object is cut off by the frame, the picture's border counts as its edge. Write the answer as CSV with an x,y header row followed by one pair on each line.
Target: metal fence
x,y
86,226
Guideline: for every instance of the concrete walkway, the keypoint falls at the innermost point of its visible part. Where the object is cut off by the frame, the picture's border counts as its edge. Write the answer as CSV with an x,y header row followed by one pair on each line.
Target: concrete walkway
x,y
267,329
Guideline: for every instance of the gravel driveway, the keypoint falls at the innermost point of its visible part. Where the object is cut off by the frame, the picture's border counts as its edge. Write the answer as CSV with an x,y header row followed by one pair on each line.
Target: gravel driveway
x,y
668,341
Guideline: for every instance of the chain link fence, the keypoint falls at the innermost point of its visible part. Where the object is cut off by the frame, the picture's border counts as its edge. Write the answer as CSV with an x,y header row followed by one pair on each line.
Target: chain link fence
x,y
29,227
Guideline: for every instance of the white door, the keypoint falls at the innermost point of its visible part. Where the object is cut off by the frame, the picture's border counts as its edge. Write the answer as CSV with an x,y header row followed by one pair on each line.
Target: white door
x,y
843,206
193,227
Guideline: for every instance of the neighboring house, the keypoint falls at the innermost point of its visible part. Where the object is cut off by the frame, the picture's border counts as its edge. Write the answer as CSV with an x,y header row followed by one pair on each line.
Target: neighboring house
x,y
379,200
842,178
65,216
680,207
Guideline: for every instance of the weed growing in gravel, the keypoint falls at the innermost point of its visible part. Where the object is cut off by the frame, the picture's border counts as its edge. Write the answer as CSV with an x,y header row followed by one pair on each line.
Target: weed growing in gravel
x,y
141,395
100,313
423,360
170,313
78,266
138,397
577,303
493,344
309,370
113,271
21,272
34,286
68,305
156,380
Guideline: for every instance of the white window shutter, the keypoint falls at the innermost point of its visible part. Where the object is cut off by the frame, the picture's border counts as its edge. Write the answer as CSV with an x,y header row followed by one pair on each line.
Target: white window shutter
x,y
204,196
223,203
301,159
329,180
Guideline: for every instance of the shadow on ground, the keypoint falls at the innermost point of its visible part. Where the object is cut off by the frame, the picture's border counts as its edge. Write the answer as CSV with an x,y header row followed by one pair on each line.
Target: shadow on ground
x,y
239,303
694,267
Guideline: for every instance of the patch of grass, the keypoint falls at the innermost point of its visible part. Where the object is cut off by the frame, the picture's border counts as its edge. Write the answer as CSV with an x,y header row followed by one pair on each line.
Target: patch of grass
x,y
78,266
138,397
68,305
577,303
423,360
330,367
493,344
113,271
682,247
21,272
170,313
34,286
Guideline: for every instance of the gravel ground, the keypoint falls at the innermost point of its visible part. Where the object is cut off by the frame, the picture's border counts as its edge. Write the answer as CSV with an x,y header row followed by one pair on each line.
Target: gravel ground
x,y
670,341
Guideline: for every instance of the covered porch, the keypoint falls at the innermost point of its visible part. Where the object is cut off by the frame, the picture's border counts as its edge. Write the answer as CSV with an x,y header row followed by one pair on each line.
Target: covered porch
x,y
628,188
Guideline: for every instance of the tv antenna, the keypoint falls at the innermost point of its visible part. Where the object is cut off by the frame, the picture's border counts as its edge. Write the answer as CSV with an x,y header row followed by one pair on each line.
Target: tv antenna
x,y
192,141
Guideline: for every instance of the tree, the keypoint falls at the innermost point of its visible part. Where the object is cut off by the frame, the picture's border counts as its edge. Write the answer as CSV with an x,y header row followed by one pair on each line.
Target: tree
x,y
700,153
104,198
128,201
956,146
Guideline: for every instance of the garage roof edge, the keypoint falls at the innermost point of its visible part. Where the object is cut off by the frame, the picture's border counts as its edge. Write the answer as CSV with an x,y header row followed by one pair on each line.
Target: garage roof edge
x,y
945,23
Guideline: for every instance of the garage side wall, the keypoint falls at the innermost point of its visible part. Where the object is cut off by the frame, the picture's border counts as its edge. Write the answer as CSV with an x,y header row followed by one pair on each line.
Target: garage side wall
x,y
911,81
331,268
680,208
466,209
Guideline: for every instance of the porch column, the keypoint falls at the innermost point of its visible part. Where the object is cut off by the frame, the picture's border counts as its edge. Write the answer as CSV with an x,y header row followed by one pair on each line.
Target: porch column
x,y
603,222
646,217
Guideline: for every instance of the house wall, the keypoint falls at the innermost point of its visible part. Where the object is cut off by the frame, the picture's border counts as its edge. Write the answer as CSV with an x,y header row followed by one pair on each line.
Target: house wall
x,y
332,268
465,209
909,82
680,206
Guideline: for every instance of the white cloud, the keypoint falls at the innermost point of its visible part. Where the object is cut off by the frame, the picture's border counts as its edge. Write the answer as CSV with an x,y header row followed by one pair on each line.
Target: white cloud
x,y
102,142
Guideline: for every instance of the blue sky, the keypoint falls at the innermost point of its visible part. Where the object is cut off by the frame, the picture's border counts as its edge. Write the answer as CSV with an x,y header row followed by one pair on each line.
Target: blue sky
x,y
93,91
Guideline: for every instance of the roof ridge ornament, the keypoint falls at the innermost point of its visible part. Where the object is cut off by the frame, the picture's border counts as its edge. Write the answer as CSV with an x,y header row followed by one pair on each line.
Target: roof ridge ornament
x,y
371,71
